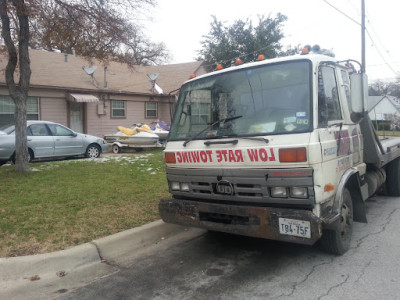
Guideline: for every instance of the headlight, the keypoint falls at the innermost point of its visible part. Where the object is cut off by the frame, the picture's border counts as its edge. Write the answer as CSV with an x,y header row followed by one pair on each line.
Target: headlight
x,y
185,187
175,186
178,186
299,192
279,192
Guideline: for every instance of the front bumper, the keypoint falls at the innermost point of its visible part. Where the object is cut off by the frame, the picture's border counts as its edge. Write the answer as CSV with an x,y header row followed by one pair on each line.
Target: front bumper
x,y
254,221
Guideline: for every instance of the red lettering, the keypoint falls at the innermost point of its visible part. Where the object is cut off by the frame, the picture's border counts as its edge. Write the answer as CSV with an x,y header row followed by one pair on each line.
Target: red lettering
x,y
224,152
252,154
272,157
231,156
203,156
209,152
263,154
219,155
195,156
179,157
185,158
239,156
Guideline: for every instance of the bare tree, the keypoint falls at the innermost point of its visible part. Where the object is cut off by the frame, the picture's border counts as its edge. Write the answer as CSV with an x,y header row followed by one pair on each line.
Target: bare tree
x,y
93,28
96,28
18,91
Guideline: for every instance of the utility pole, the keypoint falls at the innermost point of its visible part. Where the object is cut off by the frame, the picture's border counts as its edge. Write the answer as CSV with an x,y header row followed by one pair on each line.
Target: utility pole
x,y
362,36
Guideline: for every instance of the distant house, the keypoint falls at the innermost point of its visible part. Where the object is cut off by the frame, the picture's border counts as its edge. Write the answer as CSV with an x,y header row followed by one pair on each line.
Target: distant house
x,y
382,108
94,98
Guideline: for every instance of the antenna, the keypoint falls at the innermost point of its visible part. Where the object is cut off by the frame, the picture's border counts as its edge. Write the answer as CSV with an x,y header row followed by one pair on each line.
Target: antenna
x,y
90,71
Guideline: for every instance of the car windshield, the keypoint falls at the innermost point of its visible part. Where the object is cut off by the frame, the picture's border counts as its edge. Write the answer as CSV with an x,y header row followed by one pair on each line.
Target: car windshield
x,y
271,99
8,128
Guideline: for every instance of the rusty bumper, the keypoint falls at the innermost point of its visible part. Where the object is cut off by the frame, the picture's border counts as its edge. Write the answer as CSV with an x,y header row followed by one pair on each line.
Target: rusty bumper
x,y
259,222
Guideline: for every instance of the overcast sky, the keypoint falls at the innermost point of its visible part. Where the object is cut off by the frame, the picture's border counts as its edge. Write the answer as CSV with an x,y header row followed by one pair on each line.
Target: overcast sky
x,y
181,24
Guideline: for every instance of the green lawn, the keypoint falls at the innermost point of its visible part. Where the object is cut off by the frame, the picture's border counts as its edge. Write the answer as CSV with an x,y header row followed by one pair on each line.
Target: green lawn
x,y
388,133
65,203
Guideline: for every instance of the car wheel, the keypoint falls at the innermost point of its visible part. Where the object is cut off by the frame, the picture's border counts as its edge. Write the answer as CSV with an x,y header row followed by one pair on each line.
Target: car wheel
x,y
30,155
116,149
92,151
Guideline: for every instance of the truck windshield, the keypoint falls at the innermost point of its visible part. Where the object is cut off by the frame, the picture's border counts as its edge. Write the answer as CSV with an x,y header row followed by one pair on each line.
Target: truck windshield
x,y
270,99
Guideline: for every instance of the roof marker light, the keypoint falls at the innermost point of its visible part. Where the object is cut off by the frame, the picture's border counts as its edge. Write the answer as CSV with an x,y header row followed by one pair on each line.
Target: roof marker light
x,y
238,62
305,50
219,67
192,76
260,57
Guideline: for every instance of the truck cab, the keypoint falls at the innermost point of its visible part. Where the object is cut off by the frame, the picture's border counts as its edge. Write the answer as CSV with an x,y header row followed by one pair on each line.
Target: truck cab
x,y
273,149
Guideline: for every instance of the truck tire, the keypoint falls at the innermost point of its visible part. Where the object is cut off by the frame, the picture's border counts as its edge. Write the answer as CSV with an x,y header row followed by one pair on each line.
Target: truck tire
x,y
337,241
393,178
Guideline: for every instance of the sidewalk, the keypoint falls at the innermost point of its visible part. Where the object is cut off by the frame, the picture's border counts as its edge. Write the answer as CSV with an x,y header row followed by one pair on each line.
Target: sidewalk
x,y
47,276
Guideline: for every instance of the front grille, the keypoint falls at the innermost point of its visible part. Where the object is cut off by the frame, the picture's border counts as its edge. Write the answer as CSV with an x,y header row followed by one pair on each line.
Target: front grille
x,y
242,185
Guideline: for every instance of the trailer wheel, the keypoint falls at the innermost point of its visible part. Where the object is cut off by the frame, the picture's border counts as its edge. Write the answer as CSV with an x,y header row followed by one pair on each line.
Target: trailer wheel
x,y
116,149
393,178
337,241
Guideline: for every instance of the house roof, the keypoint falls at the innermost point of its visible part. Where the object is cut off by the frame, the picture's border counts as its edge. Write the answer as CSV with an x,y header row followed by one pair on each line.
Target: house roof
x,y
373,101
59,70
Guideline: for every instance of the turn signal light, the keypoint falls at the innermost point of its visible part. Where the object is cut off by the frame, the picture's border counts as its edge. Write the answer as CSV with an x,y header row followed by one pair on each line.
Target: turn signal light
x,y
170,158
293,155
329,187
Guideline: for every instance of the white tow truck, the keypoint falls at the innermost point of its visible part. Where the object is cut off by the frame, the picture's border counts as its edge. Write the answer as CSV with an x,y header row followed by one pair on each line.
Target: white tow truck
x,y
281,149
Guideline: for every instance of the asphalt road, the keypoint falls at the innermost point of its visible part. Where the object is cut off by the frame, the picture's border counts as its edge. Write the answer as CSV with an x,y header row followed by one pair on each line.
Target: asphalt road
x,y
221,266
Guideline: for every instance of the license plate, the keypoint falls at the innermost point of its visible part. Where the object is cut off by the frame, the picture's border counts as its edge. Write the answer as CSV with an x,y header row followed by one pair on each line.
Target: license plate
x,y
294,227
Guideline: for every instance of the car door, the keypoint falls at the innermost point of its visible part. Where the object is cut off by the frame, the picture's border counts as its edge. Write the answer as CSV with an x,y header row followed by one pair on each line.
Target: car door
x,y
66,142
40,140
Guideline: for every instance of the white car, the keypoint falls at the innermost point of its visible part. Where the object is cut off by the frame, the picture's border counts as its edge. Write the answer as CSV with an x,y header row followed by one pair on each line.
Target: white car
x,y
48,139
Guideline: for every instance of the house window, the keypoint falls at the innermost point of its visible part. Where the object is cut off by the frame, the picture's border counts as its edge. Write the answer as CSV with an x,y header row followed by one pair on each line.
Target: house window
x,y
151,110
200,113
118,109
7,108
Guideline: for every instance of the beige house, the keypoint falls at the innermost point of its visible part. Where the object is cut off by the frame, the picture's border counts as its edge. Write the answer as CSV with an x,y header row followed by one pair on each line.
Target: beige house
x,y
93,98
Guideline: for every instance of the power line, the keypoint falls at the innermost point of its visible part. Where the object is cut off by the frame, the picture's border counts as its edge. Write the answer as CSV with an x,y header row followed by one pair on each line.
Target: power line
x,y
346,15
380,54
372,40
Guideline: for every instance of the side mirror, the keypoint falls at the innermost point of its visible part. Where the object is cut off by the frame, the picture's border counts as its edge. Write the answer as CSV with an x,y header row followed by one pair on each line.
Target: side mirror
x,y
359,96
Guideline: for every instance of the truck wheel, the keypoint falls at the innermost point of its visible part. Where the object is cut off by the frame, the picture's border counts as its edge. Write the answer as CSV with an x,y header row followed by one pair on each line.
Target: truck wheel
x,y
337,241
116,149
393,178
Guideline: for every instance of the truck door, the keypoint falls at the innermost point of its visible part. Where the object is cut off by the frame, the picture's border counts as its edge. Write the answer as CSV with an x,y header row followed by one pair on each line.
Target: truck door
x,y
334,131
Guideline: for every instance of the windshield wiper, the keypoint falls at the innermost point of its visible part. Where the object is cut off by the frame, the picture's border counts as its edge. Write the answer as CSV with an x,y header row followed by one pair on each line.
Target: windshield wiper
x,y
261,139
210,126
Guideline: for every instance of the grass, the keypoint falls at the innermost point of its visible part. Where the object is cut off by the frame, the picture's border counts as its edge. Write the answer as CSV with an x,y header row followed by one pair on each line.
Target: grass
x,y
388,133
65,203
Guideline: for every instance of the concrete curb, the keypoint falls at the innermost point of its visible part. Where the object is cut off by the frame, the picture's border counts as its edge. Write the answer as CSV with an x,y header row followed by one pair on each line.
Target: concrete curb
x,y
47,275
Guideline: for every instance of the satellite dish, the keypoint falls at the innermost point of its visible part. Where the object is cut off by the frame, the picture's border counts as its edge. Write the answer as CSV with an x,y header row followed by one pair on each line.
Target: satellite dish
x,y
153,77
89,70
